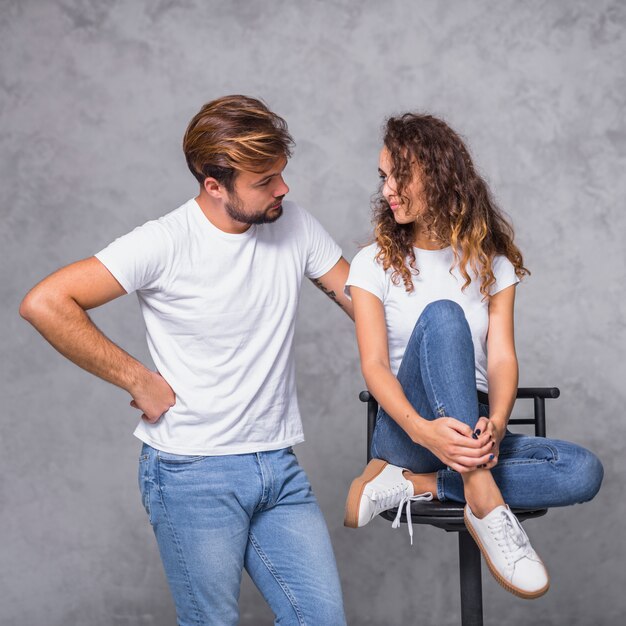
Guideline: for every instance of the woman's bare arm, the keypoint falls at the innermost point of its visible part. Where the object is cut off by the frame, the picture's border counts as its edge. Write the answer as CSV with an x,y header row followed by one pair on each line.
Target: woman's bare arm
x,y
502,368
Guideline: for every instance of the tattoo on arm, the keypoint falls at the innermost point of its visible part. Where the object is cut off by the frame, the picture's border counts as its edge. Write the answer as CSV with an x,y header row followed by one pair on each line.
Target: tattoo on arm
x,y
329,292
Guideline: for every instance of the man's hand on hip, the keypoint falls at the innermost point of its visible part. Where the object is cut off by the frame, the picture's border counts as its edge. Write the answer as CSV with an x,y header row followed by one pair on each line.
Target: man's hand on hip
x,y
152,396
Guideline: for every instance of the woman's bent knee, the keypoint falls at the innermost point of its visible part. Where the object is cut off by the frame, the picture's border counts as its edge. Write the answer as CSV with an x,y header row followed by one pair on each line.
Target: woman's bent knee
x,y
444,315
584,475
444,308
592,468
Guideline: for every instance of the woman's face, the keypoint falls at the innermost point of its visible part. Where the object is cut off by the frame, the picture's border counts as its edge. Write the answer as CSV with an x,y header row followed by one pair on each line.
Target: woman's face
x,y
408,208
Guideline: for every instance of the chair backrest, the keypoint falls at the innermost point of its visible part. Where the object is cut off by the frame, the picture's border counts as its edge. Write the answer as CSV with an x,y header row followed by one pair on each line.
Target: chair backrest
x,y
537,394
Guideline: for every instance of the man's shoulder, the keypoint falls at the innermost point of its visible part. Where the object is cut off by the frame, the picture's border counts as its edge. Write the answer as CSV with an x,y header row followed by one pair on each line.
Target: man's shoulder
x,y
293,212
179,217
172,227
296,220
293,222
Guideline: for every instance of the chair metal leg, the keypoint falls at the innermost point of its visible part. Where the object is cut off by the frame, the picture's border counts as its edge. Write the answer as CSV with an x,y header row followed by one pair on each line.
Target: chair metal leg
x,y
471,583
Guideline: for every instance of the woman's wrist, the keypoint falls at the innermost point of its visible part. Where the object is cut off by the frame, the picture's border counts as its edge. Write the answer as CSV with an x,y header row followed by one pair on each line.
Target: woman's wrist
x,y
419,429
499,423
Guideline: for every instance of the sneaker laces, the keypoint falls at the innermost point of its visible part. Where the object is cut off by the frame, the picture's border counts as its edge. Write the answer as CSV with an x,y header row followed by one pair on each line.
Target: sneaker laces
x,y
405,503
388,498
510,537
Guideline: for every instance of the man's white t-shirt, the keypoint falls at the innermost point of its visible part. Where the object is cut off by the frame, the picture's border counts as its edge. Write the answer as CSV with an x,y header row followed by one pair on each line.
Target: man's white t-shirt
x,y
435,281
219,310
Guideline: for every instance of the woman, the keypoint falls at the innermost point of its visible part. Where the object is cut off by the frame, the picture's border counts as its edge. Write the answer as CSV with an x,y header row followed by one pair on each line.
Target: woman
x,y
433,296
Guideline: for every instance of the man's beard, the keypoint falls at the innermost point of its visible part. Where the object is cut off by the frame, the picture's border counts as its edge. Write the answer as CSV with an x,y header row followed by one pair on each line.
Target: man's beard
x,y
234,208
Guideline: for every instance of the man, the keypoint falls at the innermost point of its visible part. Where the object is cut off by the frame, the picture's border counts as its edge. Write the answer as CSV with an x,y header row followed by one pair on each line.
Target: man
x,y
218,282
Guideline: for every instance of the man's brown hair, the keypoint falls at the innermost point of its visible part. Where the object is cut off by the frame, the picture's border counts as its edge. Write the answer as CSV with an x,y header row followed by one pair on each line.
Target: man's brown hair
x,y
232,134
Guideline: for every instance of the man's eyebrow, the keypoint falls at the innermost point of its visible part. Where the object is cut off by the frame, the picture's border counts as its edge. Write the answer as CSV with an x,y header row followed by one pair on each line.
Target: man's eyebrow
x,y
265,179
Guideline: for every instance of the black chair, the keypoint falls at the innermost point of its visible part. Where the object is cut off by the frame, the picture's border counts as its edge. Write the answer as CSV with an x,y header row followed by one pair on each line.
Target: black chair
x,y
449,515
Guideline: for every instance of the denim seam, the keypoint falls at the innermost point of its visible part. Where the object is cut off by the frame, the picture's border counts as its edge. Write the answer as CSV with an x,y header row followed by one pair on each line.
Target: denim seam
x,y
515,462
441,411
282,584
146,489
553,450
179,549
440,487
374,449
264,489
271,486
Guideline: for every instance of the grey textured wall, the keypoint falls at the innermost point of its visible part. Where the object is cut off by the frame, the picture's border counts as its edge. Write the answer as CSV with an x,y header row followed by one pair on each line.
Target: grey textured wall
x,y
94,98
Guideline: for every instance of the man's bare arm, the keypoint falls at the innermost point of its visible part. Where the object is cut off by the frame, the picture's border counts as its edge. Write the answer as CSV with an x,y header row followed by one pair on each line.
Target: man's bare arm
x,y
57,307
332,284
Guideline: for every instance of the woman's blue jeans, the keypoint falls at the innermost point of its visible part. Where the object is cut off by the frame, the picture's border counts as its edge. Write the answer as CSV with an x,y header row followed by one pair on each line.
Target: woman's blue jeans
x,y
214,515
438,377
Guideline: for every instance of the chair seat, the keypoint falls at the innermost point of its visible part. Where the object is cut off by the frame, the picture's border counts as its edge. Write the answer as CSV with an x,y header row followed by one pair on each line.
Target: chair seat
x,y
449,515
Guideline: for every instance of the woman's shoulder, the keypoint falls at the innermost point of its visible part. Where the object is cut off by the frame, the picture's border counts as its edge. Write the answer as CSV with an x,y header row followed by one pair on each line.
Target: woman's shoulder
x,y
501,263
503,272
366,272
367,255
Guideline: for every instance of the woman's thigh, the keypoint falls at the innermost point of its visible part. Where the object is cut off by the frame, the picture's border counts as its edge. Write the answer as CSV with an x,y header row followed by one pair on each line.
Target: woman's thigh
x,y
537,472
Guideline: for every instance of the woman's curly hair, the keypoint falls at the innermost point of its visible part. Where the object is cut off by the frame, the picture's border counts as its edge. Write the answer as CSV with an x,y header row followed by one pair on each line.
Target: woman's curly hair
x,y
459,212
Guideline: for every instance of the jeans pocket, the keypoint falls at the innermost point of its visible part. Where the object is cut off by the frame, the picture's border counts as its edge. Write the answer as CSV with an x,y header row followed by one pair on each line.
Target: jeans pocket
x,y
178,459
145,484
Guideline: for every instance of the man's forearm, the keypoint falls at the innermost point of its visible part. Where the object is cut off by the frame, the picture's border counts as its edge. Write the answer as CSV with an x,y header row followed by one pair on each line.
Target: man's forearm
x,y
68,328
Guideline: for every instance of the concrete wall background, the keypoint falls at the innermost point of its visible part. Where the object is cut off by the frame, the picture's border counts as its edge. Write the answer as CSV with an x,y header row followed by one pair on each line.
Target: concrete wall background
x,y
94,98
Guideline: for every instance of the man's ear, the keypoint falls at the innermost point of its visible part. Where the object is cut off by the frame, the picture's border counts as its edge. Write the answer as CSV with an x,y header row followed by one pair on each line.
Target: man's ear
x,y
213,188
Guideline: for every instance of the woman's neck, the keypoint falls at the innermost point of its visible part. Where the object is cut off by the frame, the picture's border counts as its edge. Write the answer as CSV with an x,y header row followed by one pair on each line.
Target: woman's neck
x,y
427,241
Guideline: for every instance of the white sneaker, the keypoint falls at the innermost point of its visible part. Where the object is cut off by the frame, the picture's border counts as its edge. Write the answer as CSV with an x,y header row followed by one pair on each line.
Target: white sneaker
x,y
508,553
379,488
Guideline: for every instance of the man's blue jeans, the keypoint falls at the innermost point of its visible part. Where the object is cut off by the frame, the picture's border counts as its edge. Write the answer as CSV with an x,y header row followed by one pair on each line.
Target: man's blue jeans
x,y
214,515
438,377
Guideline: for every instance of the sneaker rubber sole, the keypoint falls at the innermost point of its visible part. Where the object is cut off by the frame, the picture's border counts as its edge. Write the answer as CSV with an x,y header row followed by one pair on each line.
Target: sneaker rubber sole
x,y
520,593
353,502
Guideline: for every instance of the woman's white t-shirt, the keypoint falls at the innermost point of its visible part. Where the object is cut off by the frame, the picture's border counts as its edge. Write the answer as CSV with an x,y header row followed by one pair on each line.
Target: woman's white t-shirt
x,y
435,281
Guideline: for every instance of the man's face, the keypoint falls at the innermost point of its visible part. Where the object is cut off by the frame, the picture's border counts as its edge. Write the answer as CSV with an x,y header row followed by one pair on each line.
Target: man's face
x,y
257,196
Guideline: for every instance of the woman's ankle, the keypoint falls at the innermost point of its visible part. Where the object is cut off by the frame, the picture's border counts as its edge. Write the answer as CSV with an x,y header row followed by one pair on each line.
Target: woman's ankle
x,y
482,507
482,493
422,483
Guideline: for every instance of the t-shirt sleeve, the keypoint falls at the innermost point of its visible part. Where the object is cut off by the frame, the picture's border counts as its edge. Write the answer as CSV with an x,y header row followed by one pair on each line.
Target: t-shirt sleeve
x,y
322,250
366,273
504,273
139,259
